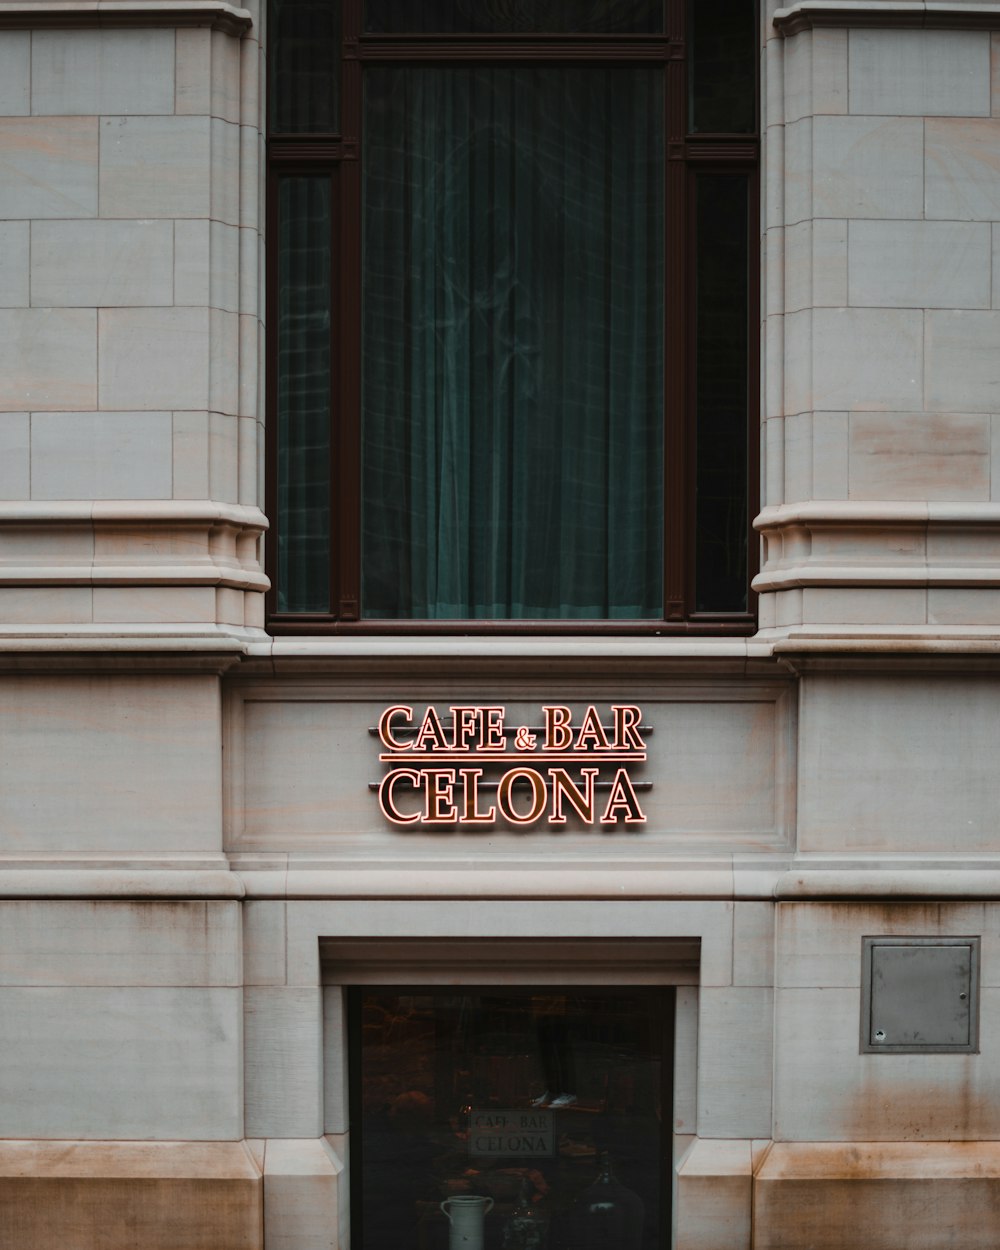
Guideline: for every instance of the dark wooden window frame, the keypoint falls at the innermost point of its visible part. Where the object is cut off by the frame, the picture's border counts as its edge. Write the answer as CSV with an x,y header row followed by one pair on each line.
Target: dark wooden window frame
x,y
687,154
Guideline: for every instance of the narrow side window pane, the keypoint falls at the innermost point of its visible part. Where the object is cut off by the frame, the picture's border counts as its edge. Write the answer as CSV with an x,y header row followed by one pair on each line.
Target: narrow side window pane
x,y
305,66
722,331
722,66
619,17
303,384
513,343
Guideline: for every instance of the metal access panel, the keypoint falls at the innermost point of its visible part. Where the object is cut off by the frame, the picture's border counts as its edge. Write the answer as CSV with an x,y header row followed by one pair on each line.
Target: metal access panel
x,y
920,995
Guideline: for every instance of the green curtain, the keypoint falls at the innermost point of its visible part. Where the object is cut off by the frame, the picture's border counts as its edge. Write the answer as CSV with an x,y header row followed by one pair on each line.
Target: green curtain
x,y
513,342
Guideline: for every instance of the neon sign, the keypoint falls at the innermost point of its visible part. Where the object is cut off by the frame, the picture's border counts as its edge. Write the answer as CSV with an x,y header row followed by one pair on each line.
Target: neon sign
x,y
471,767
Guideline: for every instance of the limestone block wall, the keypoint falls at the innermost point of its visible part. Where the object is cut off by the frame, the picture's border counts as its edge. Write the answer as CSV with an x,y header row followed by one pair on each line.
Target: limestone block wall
x,y
130,329
130,576
881,500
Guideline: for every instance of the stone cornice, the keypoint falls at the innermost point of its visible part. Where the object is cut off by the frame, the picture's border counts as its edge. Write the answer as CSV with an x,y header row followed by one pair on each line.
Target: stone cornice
x,y
933,14
36,14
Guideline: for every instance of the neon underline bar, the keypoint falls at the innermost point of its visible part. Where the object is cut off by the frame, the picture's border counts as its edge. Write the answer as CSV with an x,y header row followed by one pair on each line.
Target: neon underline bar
x,y
421,760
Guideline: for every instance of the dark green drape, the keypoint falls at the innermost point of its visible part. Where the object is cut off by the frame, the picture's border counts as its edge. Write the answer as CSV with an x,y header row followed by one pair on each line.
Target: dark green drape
x,y
513,342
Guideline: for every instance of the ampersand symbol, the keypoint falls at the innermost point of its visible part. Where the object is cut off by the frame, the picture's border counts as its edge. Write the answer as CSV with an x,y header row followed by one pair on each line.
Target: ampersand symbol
x,y
524,739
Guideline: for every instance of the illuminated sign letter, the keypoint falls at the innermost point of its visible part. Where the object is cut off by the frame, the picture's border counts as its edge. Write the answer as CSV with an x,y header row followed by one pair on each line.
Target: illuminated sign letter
x,y
627,721
470,795
465,723
430,732
582,802
385,728
558,733
439,787
592,732
622,799
507,808
387,795
494,738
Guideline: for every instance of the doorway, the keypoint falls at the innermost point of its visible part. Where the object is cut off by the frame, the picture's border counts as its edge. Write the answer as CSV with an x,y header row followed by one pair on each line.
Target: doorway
x,y
529,1118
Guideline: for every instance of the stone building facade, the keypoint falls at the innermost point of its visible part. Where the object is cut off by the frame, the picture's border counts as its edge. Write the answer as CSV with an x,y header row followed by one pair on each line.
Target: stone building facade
x,y
196,871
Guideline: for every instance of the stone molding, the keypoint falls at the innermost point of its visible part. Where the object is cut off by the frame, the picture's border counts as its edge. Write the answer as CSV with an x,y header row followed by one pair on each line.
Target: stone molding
x,y
110,883
724,881
862,544
124,543
36,14
943,14
889,885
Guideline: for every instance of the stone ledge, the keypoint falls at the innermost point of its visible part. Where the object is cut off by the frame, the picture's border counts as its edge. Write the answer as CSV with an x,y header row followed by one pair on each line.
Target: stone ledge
x,y
943,14
54,883
889,885
933,1195
35,14
104,1195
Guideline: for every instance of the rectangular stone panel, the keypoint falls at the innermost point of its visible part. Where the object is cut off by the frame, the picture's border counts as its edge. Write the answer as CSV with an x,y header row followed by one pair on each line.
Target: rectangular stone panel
x,y
960,361
125,763
868,167
300,771
163,1064
87,72
87,264
101,455
48,167
154,358
735,1030
48,358
284,1058
825,1090
962,175
15,73
14,473
14,251
919,264
870,773
67,942
866,358
155,167
917,73
896,455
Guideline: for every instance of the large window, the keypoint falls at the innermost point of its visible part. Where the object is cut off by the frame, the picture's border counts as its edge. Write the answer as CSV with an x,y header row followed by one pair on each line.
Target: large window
x,y
511,363
500,1118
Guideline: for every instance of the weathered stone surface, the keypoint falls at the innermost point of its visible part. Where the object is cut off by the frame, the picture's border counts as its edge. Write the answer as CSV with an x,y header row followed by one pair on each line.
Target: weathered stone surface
x,y
109,1195
898,1196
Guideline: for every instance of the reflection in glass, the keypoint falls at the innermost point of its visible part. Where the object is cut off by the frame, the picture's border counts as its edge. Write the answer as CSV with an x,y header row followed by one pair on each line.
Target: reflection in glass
x,y
303,384
723,319
619,17
722,73
536,1116
305,66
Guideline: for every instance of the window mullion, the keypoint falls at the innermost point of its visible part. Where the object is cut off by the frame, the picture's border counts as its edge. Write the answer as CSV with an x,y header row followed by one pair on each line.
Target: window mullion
x,y
345,468
676,520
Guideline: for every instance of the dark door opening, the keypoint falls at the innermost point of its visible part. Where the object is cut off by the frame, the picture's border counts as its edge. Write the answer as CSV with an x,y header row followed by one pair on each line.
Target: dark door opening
x,y
497,1118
